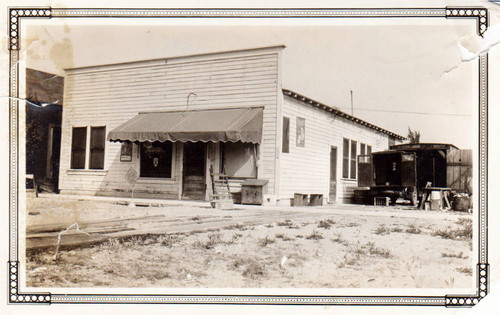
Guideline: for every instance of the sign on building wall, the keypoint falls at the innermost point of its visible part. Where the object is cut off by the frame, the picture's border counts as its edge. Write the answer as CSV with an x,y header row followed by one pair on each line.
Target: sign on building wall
x,y
301,131
126,152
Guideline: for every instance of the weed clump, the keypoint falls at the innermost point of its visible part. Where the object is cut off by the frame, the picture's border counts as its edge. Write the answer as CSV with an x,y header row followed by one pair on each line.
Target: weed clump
x,y
324,224
452,255
463,231
266,241
382,230
412,229
314,236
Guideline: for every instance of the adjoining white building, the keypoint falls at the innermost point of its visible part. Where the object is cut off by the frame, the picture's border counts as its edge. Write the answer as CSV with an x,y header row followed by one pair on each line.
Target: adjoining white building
x,y
174,119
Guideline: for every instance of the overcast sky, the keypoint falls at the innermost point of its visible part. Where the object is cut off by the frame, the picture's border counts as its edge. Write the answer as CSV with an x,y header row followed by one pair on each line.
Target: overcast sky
x,y
401,75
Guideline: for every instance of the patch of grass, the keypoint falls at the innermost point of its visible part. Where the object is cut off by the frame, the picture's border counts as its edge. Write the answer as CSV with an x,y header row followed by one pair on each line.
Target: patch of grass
x,y
170,239
397,229
382,230
240,227
314,236
249,268
254,271
412,229
212,240
352,224
293,227
286,222
266,241
279,235
236,237
377,251
196,218
299,236
463,231
338,239
270,225
348,260
466,270
324,224
453,255
464,221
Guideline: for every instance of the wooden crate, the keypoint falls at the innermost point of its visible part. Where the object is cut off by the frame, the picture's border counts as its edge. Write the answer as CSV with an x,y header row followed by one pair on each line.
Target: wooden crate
x,y
316,200
300,200
382,201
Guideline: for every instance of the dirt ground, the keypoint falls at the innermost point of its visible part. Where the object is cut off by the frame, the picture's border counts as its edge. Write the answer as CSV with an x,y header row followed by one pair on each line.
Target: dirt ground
x,y
321,247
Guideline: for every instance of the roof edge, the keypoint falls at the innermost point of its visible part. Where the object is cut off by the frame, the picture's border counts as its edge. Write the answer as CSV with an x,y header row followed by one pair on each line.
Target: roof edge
x,y
336,111
209,54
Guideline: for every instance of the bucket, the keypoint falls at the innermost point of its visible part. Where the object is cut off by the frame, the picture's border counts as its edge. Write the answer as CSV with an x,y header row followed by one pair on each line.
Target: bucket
x,y
435,195
436,201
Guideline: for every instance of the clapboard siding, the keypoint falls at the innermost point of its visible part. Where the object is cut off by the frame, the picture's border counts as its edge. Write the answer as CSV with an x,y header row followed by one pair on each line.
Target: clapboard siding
x,y
306,169
111,95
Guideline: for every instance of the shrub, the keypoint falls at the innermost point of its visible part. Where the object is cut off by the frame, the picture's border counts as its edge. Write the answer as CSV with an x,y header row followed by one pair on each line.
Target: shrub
x,y
413,229
377,251
284,223
314,236
463,231
452,255
254,270
381,230
324,224
466,270
265,241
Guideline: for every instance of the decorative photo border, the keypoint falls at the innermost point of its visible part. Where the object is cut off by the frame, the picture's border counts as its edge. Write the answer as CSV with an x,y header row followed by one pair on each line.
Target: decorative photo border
x,y
17,14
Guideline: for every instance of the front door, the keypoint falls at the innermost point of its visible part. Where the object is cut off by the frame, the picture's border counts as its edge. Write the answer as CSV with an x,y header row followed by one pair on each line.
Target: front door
x,y
193,183
333,175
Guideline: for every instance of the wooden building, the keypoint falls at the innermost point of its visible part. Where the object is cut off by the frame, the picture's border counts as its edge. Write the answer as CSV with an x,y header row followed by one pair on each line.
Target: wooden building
x,y
172,120
44,98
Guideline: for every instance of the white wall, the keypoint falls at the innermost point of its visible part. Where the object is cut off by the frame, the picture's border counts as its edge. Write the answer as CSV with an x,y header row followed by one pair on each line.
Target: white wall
x,y
307,169
111,95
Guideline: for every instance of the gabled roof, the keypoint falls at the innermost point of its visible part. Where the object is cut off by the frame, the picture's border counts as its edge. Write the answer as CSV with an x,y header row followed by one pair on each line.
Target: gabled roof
x,y
335,111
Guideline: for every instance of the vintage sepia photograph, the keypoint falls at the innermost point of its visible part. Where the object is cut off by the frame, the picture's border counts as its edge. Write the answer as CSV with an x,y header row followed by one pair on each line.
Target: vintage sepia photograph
x,y
321,156
326,156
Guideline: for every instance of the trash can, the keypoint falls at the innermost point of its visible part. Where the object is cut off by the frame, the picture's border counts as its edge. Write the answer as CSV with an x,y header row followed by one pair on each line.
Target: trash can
x,y
253,190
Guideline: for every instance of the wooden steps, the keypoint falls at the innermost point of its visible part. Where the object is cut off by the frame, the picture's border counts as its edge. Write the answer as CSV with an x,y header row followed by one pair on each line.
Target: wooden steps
x,y
221,193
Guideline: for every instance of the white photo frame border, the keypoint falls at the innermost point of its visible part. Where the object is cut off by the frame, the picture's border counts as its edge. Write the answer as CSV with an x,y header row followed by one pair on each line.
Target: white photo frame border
x,y
17,14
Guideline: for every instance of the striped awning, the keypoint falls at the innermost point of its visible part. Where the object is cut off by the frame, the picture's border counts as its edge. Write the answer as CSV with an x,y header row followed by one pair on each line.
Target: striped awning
x,y
224,125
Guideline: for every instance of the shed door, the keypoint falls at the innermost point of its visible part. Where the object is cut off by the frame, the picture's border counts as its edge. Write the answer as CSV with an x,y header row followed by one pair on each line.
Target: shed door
x,y
408,170
365,171
459,170
333,175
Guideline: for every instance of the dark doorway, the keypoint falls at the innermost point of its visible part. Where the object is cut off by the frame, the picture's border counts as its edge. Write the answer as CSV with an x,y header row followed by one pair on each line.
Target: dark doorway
x,y
193,184
333,175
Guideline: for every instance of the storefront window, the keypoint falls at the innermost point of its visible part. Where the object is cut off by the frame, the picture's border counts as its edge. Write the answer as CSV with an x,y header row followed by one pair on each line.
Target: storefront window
x,y
239,159
156,159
